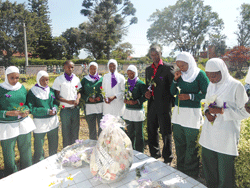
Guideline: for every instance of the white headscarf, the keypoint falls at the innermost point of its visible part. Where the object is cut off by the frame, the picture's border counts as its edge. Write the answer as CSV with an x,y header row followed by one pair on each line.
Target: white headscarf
x,y
6,84
88,77
218,89
193,71
116,65
115,72
134,69
248,76
41,92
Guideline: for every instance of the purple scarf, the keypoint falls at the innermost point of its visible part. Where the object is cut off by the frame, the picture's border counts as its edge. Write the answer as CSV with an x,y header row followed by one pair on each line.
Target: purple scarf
x,y
68,78
43,88
113,80
132,83
95,77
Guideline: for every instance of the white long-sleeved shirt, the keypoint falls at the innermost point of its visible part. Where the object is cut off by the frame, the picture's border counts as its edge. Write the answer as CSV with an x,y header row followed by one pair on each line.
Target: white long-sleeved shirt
x,y
117,106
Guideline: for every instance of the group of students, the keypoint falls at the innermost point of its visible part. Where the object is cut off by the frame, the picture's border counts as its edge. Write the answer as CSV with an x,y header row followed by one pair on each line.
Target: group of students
x,y
112,94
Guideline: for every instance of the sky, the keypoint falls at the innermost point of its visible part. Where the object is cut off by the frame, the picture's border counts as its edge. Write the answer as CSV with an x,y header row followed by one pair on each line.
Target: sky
x,y
65,14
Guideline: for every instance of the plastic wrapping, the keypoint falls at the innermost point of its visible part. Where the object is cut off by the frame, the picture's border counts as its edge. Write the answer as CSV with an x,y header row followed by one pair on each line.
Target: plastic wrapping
x,y
77,154
112,156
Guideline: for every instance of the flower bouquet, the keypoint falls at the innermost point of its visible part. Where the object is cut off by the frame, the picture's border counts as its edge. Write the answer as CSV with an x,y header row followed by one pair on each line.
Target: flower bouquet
x,y
93,95
77,154
128,95
21,108
104,94
112,156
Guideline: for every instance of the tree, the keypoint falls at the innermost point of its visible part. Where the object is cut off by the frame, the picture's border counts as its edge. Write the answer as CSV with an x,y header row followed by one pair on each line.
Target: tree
x,y
218,41
106,24
186,24
12,17
72,36
237,58
243,33
43,44
59,45
122,51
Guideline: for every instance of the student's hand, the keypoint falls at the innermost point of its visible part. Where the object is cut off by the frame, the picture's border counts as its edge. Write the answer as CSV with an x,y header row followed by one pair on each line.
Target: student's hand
x,y
177,75
132,102
184,97
148,94
91,99
111,99
210,117
125,101
216,110
76,102
71,102
51,113
106,100
247,108
97,99
24,114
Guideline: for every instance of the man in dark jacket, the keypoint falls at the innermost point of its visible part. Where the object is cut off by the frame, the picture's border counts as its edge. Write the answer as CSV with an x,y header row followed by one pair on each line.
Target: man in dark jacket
x,y
159,77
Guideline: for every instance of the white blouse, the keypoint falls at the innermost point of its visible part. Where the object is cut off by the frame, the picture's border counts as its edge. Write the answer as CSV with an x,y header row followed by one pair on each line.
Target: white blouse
x,y
117,106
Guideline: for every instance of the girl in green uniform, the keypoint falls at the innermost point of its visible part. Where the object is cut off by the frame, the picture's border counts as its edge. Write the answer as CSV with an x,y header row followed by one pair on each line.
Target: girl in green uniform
x,y
190,85
134,112
15,124
91,94
42,103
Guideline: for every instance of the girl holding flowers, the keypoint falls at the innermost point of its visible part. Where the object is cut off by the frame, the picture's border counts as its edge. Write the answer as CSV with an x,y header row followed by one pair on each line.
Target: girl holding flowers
x,y
15,124
43,106
114,87
219,139
190,87
134,112
91,94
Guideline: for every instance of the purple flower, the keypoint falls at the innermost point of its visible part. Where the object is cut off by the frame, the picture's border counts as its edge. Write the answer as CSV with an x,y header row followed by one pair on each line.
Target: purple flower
x,y
65,161
224,105
53,96
161,78
212,104
74,158
8,96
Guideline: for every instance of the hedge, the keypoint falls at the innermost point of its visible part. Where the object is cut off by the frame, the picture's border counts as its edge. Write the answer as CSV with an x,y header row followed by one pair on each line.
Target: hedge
x,y
21,62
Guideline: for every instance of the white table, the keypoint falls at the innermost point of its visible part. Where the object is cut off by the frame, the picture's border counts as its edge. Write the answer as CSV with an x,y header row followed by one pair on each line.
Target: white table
x,y
47,174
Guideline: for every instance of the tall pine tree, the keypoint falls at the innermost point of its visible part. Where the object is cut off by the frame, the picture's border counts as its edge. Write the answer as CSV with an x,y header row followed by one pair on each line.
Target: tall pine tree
x,y
43,44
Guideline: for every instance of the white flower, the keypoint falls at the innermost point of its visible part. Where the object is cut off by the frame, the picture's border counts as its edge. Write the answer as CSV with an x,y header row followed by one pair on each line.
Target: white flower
x,y
209,100
179,89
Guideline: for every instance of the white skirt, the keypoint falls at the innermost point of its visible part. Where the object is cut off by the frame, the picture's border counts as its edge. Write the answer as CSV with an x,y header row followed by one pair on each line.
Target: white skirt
x,y
134,115
94,108
11,130
44,125
187,117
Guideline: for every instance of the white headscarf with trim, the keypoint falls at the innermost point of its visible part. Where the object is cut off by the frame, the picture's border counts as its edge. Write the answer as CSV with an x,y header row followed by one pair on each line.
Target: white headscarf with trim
x,y
248,76
193,71
218,89
41,93
6,84
88,77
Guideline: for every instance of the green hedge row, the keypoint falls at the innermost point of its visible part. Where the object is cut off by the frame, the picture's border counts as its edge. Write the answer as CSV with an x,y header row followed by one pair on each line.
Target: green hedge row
x,y
21,62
